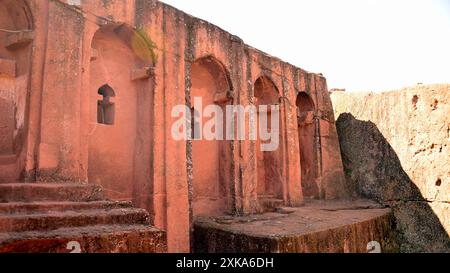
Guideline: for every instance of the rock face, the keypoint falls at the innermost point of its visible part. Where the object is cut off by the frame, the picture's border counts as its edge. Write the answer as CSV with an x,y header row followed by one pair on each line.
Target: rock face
x,y
395,148
318,227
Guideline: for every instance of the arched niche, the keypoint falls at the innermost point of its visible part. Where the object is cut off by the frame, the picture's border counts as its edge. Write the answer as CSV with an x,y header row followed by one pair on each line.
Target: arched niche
x,y
211,158
304,102
306,135
16,32
120,116
269,163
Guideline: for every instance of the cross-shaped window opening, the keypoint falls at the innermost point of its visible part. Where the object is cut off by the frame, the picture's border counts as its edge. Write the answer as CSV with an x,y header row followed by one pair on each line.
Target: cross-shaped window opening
x,y
105,107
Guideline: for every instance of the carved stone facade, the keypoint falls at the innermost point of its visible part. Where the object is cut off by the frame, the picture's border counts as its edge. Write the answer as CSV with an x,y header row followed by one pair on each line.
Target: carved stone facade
x,y
86,94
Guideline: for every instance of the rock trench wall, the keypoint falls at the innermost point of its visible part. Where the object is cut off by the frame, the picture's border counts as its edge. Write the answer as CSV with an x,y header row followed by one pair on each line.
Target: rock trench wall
x,y
395,148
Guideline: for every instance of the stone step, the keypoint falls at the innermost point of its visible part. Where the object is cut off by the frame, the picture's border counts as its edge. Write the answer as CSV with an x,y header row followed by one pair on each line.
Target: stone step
x,y
270,204
7,159
91,239
46,206
34,192
55,220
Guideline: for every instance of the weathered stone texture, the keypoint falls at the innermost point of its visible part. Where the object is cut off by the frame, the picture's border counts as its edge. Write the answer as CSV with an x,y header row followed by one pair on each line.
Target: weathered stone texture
x,y
318,227
47,218
395,148
61,125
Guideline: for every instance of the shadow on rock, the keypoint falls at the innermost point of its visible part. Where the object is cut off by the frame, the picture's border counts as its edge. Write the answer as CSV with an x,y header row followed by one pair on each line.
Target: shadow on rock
x,y
373,170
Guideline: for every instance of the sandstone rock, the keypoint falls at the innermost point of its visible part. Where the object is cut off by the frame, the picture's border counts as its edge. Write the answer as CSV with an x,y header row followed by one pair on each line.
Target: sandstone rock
x,y
419,227
43,217
318,227
395,148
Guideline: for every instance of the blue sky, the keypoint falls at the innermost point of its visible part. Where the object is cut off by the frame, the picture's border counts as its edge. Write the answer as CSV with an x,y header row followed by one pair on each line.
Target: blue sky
x,y
360,45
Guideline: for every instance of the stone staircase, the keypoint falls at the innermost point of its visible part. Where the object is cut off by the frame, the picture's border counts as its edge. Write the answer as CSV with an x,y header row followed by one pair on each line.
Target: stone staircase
x,y
72,217
270,203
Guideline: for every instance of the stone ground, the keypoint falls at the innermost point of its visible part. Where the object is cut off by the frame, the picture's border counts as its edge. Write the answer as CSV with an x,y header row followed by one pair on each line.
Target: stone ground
x,y
319,226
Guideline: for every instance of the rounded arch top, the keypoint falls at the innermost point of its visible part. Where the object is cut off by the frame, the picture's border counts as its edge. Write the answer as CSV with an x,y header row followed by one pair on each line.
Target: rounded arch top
x,y
15,15
136,40
304,102
266,91
217,70
106,91
210,69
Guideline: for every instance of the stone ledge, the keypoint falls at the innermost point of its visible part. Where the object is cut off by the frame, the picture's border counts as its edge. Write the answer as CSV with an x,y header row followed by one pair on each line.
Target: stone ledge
x,y
142,73
18,40
92,239
320,226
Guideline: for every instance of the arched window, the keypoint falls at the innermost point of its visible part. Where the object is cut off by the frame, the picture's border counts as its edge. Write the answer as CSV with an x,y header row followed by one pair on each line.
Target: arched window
x,y
195,124
105,107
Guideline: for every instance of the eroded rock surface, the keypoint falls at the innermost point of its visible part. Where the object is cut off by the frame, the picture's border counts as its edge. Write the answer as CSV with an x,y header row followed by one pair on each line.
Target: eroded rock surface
x,y
395,148
66,217
318,227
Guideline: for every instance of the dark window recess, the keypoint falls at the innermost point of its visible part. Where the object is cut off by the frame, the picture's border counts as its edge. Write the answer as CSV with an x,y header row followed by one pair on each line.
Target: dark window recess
x,y
106,108
195,124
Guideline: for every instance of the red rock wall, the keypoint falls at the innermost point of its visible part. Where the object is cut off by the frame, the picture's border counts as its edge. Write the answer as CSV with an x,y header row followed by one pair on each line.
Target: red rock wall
x,y
15,70
59,139
396,148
